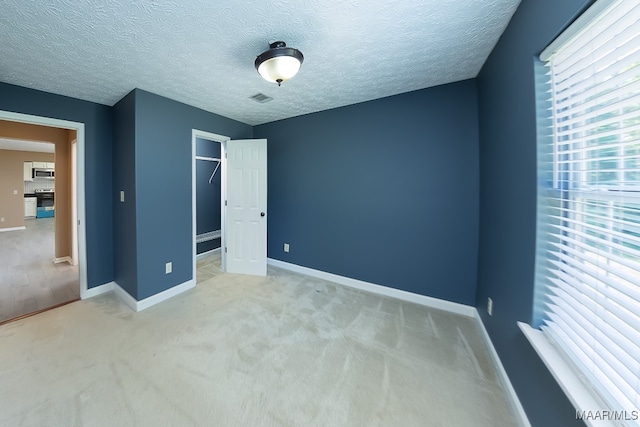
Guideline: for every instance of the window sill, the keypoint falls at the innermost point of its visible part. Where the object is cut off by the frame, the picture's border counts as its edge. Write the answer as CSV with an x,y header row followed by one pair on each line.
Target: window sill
x,y
579,394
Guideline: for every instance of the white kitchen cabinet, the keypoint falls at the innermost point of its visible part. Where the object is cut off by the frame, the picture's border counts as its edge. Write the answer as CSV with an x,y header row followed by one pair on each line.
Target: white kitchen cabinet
x,y
30,207
44,165
27,171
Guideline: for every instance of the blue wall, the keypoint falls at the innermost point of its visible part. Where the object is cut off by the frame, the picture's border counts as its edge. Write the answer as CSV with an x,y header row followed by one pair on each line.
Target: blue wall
x,y
384,191
507,114
98,166
124,214
163,150
388,191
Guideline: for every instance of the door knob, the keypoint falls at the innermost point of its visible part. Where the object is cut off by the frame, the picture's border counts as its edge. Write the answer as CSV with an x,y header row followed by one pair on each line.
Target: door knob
x,y
262,214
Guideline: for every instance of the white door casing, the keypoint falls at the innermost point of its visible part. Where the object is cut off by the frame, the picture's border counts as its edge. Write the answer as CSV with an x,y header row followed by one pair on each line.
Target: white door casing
x,y
246,220
74,203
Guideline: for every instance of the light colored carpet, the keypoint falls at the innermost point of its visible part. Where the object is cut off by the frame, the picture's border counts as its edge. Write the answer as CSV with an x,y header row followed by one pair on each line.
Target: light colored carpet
x,y
285,350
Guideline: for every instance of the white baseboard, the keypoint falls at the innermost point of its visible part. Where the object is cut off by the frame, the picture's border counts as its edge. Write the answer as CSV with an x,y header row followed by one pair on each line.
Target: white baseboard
x,y
454,307
124,296
63,259
207,254
135,305
516,406
97,290
12,229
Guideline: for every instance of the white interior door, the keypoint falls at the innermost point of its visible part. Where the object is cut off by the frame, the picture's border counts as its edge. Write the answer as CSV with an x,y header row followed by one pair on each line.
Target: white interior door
x,y
246,216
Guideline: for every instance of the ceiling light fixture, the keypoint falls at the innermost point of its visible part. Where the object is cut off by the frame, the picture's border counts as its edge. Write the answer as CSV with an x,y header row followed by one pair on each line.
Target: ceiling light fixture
x,y
279,63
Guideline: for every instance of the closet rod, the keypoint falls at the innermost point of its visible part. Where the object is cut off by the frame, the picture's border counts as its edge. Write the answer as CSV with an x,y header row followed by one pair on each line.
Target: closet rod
x,y
211,159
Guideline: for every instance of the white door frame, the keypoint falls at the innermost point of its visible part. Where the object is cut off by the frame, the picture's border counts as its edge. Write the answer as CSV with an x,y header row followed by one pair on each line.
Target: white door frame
x,y
195,133
74,202
80,182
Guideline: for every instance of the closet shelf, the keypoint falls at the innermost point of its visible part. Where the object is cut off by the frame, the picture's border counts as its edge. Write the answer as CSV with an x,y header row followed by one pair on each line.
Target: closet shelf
x,y
211,235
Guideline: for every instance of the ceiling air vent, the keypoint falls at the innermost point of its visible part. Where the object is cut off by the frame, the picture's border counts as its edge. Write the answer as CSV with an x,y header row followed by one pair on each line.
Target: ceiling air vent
x,y
261,98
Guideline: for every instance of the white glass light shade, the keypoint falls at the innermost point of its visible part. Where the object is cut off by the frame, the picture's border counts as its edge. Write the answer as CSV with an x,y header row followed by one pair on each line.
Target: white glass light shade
x,y
280,68
279,63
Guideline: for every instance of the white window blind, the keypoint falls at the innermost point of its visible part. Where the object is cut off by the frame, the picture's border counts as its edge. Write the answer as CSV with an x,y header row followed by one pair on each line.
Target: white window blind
x,y
588,248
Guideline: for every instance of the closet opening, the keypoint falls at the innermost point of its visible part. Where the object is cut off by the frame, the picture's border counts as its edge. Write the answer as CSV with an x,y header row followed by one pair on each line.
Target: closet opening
x,y
208,185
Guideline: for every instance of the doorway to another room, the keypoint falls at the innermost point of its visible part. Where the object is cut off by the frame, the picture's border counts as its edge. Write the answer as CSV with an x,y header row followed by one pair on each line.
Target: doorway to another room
x,y
236,239
41,246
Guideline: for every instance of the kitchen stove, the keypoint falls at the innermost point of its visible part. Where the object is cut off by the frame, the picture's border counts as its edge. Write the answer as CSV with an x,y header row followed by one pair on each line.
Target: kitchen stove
x,y
45,197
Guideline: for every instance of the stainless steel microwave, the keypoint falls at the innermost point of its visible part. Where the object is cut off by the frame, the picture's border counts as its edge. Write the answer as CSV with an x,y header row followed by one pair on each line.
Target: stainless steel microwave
x,y
38,173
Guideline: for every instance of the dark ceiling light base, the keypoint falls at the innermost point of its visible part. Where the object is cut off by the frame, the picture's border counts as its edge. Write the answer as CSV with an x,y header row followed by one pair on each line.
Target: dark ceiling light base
x,y
279,63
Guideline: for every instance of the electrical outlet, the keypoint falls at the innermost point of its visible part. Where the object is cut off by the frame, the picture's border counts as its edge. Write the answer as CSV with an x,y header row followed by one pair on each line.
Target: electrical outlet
x,y
286,247
122,196
490,306
2,219
168,267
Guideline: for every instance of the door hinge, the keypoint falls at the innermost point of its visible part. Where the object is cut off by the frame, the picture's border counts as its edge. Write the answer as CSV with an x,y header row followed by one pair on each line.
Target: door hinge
x,y
225,203
225,249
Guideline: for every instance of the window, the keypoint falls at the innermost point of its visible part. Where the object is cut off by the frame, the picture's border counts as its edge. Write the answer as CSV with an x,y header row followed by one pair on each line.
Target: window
x,y
588,240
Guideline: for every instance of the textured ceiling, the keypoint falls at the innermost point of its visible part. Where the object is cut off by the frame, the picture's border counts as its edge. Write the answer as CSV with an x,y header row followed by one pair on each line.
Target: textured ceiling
x,y
20,145
201,52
